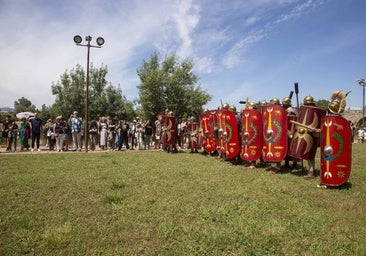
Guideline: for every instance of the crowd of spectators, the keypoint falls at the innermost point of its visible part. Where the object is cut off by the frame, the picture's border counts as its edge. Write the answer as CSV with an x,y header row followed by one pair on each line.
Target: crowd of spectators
x,y
55,134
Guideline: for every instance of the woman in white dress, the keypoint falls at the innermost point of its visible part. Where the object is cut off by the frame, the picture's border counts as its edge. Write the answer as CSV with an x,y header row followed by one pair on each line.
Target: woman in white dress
x,y
103,128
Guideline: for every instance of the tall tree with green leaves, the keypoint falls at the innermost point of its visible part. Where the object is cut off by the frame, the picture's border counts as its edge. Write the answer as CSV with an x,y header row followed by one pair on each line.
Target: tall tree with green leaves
x,y
23,104
170,84
104,98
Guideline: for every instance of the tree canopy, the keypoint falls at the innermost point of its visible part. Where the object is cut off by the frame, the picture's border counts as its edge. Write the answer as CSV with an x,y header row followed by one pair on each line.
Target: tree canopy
x,y
104,99
171,85
23,104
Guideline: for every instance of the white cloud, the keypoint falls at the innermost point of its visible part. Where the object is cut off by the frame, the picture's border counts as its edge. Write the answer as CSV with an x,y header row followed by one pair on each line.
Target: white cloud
x,y
217,35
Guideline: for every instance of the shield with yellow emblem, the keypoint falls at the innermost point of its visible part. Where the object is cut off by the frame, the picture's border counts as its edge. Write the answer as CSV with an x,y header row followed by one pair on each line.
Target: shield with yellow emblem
x,y
305,139
335,150
207,126
251,134
169,132
194,141
275,142
230,134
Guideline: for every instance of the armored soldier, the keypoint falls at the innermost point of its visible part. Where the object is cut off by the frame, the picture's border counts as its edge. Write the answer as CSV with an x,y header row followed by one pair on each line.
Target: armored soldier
x,y
275,143
251,134
335,143
291,115
306,138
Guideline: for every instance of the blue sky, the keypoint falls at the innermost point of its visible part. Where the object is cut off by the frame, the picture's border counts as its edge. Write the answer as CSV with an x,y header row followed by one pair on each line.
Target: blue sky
x,y
246,48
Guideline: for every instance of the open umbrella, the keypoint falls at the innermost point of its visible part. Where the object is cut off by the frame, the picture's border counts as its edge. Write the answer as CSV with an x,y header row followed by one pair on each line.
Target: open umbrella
x,y
27,115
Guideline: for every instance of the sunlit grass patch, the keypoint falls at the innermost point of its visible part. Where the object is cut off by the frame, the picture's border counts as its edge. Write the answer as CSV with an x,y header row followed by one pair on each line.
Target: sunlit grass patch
x,y
153,203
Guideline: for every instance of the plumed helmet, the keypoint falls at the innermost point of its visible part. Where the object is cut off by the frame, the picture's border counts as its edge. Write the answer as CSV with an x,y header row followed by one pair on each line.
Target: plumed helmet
x,y
308,100
286,101
275,101
225,106
334,106
232,108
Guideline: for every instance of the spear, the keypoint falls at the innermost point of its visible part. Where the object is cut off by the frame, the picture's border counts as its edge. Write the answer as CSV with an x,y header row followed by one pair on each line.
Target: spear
x,y
297,94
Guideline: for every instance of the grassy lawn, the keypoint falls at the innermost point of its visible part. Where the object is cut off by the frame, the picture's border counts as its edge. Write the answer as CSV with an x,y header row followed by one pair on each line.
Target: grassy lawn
x,y
154,203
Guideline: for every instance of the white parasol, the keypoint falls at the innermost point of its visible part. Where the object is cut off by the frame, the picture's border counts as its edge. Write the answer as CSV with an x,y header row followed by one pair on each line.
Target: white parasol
x,y
27,115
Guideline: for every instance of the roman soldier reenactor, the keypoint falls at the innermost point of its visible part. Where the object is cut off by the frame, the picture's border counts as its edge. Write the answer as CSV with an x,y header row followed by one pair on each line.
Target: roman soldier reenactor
x,y
335,143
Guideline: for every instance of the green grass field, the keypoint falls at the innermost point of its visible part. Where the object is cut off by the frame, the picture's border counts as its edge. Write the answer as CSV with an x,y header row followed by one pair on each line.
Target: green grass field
x,y
155,203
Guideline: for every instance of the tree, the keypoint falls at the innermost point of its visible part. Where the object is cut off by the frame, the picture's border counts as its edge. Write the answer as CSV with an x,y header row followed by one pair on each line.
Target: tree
x,y
24,104
170,84
322,104
104,98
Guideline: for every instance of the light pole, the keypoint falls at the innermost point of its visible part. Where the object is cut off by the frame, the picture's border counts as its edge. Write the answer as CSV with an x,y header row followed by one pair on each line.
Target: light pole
x,y
100,42
362,83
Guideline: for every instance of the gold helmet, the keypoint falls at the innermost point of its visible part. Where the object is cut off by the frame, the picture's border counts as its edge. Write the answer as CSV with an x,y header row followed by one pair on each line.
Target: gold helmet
x,y
334,106
286,102
263,103
308,100
252,105
275,101
338,102
225,106
232,108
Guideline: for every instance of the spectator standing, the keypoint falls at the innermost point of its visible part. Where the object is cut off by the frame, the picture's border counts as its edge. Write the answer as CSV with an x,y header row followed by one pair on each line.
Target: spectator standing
x,y
76,127
36,125
103,128
111,145
24,134
148,133
361,134
139,133
66,131
13,136
5,133
124,127
59,133
50,133
132,134
93,134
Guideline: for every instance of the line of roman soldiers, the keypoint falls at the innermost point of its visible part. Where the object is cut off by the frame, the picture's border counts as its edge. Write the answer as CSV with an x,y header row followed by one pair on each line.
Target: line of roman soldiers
x,y
273,132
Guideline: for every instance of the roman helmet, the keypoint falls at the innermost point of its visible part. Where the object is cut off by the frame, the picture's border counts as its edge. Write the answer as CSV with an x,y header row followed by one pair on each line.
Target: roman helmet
x,y
337,103
309,100
275,101
263,103
232,108
226,106
252,105
286,102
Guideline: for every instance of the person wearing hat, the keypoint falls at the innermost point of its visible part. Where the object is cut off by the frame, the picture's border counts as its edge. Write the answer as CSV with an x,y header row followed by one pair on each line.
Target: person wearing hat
x,y
76,126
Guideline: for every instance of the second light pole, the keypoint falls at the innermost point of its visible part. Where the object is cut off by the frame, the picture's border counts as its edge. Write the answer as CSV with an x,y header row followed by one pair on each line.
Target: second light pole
x,y
100,42
362,83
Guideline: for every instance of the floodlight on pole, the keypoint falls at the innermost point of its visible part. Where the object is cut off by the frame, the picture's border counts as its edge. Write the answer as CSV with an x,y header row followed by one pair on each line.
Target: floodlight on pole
x,y
78,41
362,83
